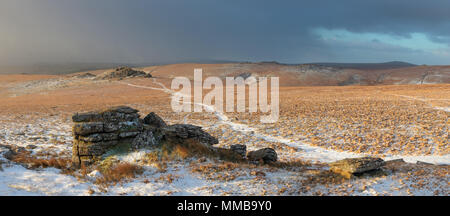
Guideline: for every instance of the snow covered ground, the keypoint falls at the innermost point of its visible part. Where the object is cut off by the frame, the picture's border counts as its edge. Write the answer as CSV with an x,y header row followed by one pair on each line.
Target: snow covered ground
x,y
51,136
181,179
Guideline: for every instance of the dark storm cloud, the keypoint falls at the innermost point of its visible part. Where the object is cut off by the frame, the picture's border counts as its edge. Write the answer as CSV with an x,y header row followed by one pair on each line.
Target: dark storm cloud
x,y
168,30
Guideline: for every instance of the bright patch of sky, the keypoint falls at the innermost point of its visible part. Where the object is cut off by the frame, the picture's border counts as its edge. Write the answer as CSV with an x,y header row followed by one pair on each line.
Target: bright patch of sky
x,y
414,41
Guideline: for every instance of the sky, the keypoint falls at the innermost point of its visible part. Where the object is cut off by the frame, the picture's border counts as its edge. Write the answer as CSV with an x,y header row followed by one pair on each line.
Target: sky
x,y
154,31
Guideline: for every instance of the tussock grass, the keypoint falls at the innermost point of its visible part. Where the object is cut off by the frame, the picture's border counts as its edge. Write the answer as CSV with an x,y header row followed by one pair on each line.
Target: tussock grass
x,y
117,173
33,162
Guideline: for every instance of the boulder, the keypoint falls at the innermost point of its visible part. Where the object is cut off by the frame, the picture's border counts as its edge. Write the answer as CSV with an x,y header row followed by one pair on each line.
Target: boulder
x,y
351,166
239,149
154,120
267,155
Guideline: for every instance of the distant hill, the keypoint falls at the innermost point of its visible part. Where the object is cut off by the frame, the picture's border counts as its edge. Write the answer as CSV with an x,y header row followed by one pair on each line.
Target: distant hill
x,y
316,74
368,66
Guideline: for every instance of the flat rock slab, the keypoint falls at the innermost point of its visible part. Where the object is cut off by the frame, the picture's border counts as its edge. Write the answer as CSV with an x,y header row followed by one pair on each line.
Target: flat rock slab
x,y
111,114
87,128
351,166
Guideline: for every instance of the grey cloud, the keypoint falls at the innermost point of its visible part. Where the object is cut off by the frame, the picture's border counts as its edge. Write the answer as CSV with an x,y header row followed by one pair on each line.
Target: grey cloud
x,y
170,30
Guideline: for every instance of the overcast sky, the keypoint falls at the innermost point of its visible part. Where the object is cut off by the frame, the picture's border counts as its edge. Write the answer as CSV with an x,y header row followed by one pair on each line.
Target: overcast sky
x,y
136,31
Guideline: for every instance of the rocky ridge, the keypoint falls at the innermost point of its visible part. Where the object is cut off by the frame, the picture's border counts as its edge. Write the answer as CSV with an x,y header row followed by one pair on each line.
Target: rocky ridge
x,y
122,73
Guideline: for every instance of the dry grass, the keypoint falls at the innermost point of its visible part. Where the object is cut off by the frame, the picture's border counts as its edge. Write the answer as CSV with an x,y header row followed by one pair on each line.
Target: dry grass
x,y
33,162
169,178
321,178
117,173
225,171
177,151
363,119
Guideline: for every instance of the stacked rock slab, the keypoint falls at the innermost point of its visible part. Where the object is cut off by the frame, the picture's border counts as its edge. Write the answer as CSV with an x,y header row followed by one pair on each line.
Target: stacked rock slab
x,y
97,132
182,133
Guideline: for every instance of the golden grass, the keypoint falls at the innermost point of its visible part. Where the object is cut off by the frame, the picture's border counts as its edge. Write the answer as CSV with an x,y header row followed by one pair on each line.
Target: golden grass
x,y
117,173
189,148
33,162
363,119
